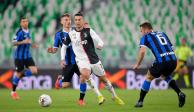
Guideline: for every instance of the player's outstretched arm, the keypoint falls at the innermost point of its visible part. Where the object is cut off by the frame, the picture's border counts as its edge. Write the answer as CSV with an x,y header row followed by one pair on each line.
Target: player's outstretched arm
x,y
26,41
52,50
95,37
63,53
141,55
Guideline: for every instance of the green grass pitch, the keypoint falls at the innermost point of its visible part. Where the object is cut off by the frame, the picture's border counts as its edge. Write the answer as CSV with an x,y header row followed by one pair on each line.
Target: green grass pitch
x,y
66,101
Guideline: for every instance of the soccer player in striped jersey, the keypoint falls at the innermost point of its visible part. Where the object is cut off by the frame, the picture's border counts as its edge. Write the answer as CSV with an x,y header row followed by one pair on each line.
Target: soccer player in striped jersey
x,y
68,64
82,40
164,64
22,56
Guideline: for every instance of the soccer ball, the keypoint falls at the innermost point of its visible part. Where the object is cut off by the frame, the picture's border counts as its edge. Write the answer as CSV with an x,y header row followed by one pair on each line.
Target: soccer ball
x,y
45,100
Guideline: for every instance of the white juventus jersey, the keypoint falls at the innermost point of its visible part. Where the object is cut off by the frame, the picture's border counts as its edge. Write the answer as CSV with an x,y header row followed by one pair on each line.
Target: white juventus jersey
x,y
83,45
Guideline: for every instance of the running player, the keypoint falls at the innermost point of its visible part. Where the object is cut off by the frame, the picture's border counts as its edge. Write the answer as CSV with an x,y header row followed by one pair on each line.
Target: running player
x,y
82,40
68,64
22,56
164,64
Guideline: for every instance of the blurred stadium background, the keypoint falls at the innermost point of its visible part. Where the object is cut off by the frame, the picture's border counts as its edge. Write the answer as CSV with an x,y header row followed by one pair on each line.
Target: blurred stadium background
x,y
116,21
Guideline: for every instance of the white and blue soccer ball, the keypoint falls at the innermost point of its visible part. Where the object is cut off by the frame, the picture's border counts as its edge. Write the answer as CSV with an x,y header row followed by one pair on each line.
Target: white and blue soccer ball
x,y
44,100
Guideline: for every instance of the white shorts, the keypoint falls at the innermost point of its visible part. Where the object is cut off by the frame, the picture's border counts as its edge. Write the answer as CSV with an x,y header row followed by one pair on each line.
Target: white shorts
x,y
83,64
98,69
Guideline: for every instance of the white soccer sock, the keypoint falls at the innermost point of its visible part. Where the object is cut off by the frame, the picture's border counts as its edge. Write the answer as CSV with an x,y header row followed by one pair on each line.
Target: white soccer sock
x,y
110,88
93,85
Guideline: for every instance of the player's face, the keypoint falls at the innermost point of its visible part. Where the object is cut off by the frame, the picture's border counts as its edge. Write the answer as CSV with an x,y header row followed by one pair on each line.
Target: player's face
x,y
144,30
183,41
79,22
66,22
24,23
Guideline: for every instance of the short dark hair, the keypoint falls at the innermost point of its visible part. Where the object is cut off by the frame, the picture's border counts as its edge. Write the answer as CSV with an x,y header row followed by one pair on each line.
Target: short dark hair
x,y
78,14
146,25
66,15
23,17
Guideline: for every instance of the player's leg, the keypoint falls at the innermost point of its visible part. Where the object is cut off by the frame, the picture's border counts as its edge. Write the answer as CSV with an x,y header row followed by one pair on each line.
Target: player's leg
x,y
144,89
19,66
32,69
99,71
83,86
186,76
178,70
64,80
171,82
110,88
85,72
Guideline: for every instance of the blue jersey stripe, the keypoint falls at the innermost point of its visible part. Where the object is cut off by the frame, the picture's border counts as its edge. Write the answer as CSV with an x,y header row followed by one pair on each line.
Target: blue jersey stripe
x,y
169,47
162,48
154,49
22,51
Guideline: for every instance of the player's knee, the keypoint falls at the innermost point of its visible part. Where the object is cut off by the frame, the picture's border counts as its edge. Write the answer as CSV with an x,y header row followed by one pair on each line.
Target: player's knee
x,y
34,71
85,73
82,79
104,79
149,78
65,84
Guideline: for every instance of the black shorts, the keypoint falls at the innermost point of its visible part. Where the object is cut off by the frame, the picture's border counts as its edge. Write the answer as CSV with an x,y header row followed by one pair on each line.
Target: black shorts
x,y
165,68
69,71
21,63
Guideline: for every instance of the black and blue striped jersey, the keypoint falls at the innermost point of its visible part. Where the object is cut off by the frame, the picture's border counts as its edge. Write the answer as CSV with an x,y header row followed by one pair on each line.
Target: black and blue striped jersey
x,y
160,45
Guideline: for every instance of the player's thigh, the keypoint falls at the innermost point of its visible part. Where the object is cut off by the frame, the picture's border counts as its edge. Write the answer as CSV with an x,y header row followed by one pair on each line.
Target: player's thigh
x,y
65,84
154,71
29,63
84,68
178,66
67,73
19,66
98,69
168,68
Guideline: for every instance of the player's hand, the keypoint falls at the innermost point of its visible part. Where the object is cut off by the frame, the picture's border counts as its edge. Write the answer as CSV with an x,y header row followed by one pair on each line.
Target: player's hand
x,y
35,45
62,63
27,41
99,47
136,66
50,50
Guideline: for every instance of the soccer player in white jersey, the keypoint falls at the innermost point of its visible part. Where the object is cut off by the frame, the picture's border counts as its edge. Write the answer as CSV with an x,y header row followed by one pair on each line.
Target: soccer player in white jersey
x,y
86,58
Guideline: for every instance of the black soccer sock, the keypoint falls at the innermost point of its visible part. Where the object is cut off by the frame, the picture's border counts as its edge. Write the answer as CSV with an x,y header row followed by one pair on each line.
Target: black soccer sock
x,y
14,87
82,95
174,86
142,95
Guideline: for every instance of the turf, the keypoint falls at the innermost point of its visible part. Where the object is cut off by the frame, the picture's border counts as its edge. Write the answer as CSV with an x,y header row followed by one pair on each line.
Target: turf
x,y
65,101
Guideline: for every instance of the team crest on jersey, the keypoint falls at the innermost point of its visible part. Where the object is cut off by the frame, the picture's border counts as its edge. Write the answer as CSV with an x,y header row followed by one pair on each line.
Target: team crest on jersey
x,y
85,35
74,36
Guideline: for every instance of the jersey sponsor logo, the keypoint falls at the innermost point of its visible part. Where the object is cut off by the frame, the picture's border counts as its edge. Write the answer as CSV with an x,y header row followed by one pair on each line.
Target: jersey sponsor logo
x,y
74,36
78,43
166,54
85,35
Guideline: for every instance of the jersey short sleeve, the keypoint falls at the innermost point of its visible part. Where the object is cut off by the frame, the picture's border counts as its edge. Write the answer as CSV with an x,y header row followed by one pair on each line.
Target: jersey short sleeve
x,y
143,41
18,36
56,41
